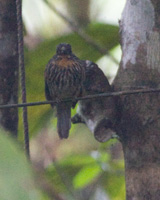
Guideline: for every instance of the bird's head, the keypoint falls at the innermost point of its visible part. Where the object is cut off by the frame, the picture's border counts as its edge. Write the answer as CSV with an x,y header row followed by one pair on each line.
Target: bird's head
x,y
64,49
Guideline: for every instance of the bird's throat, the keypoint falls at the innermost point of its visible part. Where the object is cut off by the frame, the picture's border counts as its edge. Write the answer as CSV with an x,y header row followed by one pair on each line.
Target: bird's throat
x,y
65,61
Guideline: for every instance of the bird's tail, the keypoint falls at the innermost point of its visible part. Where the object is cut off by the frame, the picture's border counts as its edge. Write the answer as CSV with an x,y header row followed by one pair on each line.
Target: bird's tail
x,y
63,119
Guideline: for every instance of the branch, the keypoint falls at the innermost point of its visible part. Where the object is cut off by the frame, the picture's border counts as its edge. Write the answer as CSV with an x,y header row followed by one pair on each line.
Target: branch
x,y
65,182
108,94
22,72
82,33
45,185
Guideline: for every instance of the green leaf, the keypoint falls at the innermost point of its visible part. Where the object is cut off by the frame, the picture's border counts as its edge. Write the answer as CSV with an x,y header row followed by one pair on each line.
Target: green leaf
x,y
68,167
16,178
116,186
86,175
114,181
79,160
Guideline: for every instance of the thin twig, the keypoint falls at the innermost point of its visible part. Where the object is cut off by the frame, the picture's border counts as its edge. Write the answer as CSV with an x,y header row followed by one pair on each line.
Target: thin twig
x,y
63,178
45,185
22,71
82,33
108,94
65,181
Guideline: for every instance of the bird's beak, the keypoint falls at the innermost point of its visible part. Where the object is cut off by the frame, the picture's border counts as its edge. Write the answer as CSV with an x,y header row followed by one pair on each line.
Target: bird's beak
x,y
63,49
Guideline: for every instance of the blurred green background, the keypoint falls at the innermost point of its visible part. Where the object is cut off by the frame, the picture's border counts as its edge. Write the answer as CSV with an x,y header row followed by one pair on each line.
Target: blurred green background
x,y
79,168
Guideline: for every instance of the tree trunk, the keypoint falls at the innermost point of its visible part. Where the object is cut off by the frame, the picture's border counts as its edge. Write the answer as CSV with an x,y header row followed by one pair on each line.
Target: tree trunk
x,y
8,65
139,127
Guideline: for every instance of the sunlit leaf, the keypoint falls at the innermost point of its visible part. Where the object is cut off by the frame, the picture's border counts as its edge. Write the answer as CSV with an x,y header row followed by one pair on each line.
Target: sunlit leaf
x,y
116,186
86,175
113,181
77,160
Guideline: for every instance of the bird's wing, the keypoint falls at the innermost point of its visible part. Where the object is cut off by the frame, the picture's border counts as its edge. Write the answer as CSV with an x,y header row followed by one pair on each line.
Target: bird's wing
x,y
47,93
48,76
96,81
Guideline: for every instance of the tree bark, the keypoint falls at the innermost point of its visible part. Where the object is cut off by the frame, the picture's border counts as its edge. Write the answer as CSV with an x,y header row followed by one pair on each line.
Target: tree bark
x,y
139,128
8,65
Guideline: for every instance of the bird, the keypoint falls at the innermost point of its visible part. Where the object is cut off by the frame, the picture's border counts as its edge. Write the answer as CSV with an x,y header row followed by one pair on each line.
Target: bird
x,y
64,76
99,113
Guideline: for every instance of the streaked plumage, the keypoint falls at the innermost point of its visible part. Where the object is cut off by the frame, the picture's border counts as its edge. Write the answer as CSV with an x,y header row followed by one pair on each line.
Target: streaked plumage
x,y
64,76
99,113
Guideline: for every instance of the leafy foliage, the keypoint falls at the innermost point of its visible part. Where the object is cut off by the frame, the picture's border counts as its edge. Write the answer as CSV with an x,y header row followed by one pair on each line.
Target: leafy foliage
x,y
16,177
78,172
71,175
